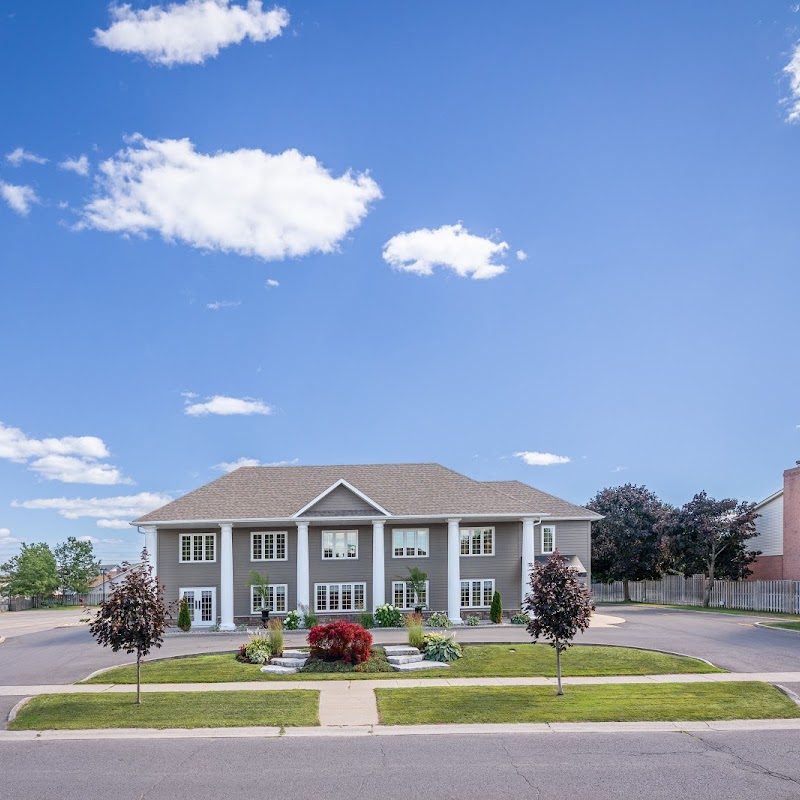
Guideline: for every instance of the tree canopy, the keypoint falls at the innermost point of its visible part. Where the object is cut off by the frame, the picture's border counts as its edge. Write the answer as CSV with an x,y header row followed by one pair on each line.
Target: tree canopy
x,y
32,572
76,565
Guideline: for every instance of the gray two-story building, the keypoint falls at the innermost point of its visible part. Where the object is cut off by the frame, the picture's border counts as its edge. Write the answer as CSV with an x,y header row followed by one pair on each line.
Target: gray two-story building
x,y
340,539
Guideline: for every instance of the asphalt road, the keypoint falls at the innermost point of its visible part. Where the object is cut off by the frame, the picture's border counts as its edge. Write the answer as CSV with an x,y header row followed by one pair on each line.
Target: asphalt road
x,y
714,766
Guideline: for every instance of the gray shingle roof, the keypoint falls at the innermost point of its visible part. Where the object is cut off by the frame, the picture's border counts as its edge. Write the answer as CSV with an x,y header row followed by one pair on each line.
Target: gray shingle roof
x,y
402,489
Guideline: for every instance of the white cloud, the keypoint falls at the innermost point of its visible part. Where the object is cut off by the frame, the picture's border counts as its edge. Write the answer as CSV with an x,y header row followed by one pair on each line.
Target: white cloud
x,y
619,469
451,246
190,32
221,304
69,469
6,537
95,540
230,466
792,70
270,282
522,255
16,446
105,508
247,202
79,165
119,524
19,198
18,156
226,406
534,459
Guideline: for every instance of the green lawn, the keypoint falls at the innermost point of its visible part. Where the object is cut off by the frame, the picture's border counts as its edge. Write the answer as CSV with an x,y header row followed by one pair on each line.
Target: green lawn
x,y
169,710
612,703
479,661
789,626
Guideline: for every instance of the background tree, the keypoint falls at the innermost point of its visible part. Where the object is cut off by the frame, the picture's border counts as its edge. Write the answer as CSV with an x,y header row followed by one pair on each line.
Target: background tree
x,y
134,617
627,542
709,537
32,572
76,565
560,606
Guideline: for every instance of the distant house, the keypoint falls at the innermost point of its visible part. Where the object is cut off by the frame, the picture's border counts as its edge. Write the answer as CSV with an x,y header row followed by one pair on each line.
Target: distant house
x,y
779,532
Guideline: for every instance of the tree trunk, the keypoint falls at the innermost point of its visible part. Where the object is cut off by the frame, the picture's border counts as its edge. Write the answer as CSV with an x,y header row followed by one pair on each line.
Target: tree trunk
x,y
138,680
709,580
626,590
558,668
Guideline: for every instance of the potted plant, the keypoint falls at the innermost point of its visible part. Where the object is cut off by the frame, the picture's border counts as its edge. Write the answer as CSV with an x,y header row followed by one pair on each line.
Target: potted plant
x,y
261,583
417,580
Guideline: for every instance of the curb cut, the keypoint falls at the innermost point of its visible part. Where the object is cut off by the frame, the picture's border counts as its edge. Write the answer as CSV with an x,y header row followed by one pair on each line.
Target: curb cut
x,y
12,715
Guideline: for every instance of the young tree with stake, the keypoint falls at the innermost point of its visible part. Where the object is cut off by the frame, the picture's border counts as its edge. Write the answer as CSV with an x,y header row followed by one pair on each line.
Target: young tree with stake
x,y
559,604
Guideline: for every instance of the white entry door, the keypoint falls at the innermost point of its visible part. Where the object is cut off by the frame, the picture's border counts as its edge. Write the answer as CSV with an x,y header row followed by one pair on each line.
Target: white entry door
x,y
202,602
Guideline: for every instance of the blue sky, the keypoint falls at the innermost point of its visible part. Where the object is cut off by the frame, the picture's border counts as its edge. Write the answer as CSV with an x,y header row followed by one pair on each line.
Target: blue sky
x,y
640,155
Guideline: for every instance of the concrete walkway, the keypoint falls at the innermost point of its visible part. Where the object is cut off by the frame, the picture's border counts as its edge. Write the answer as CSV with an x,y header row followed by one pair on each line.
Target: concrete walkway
x,y
346,703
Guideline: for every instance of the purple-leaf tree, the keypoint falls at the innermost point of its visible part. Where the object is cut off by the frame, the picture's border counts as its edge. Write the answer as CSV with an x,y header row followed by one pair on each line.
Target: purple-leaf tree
x,y
559,605
134,617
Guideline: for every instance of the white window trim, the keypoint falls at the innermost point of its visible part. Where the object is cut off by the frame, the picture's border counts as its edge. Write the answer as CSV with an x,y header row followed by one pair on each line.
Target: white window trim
x,y
478,555
470,581
181,559
416,530
552,528
334,557
340,610
404,584
273,586
285,534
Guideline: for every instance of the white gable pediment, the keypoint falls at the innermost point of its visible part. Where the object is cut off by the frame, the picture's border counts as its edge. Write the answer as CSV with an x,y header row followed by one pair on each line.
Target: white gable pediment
x,y
341,499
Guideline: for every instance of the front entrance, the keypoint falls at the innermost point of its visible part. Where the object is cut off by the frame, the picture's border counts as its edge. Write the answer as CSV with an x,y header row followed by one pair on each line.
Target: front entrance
x,y
202,602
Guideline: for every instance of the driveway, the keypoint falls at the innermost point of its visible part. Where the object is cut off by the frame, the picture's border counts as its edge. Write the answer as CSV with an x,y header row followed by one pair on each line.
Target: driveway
x,y
20,623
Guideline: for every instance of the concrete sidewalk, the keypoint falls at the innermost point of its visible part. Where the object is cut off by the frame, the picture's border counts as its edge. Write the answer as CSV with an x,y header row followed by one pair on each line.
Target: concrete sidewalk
x,y
353,704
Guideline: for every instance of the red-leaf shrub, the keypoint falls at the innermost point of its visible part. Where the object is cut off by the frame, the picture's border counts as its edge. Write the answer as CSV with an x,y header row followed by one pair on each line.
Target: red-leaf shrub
x,y
340,641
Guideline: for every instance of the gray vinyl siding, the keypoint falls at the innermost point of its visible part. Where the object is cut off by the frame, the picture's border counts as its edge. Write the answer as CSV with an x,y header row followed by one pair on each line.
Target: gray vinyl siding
x,y
341,499
572,538
278,571
435,565
341,570
505,566
174,575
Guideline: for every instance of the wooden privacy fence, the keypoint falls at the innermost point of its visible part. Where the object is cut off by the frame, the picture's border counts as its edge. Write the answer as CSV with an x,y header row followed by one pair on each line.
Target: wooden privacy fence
x,y
92,598
779,596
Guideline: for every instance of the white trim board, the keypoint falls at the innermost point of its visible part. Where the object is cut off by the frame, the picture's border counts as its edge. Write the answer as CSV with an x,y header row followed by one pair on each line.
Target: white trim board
x,y
341,482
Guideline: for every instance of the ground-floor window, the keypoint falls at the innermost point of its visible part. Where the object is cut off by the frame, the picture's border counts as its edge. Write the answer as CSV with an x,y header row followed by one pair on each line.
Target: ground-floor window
x,y
340,596
404,596
275,599
477,593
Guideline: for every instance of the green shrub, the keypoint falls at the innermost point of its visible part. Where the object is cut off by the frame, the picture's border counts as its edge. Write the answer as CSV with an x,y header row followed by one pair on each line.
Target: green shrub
x,y
388,616
496,611
184,617
441,647
520,618
415,631
258,650
366,620
472,620
276,636
292,621
438,620
310,619
375,663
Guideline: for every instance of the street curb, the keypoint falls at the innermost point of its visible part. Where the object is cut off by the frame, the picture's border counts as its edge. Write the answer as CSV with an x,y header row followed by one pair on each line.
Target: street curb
x,y
770,626
12,715
788,692
2,639
402,730
698,610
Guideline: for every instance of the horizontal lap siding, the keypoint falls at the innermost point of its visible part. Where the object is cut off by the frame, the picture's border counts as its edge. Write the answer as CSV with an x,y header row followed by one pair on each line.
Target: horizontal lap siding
x,y
278,571
343,570
174,575
435,565
341,499
572,538
505,566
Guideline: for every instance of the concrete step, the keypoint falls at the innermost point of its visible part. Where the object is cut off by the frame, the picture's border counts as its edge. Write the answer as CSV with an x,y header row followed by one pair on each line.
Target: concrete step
x,y
411,659
288,662
415,666
400,650
294,654
274,669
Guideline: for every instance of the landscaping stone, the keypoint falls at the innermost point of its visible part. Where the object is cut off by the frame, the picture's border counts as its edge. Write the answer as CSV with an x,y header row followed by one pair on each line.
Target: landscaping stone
x,y
415,666
399,660
289,662
294,654
400,650
274,669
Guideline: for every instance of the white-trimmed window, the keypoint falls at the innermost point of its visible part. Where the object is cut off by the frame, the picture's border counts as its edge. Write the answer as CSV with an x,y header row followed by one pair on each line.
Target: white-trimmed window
x,y
477,541
477,593
404,596
339,544
275,599
548,538
197,547
410,543
268,546
340,596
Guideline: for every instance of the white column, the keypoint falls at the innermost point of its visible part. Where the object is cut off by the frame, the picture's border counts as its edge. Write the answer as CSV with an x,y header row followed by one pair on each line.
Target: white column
x,y
527,552
303,586
378,565
151,545
226,577
454,571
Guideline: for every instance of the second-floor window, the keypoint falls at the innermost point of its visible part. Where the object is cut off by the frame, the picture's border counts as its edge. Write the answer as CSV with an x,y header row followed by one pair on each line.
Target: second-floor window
x,y
548,538
477,541
408,543
340,544
197,547
268,546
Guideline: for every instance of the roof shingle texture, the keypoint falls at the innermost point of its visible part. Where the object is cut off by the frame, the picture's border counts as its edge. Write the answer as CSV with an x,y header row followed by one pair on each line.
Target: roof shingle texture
x,y
402,489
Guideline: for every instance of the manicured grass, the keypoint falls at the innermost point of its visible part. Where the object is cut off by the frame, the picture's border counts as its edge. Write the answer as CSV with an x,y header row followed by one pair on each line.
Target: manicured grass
x,y
169,710
479,661
737,611
608,703
789,626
